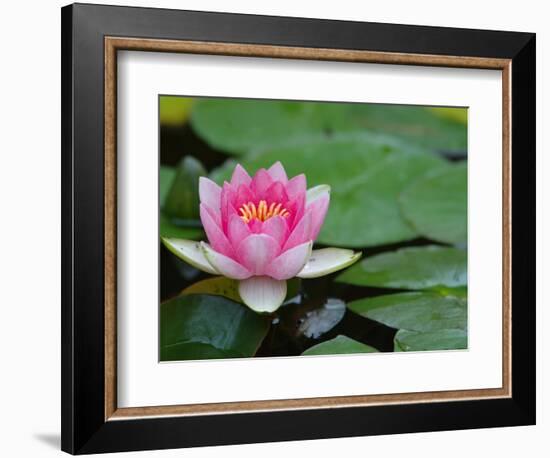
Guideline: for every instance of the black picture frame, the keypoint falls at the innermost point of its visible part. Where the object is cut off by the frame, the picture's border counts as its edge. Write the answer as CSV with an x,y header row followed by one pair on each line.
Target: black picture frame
x,y
84,427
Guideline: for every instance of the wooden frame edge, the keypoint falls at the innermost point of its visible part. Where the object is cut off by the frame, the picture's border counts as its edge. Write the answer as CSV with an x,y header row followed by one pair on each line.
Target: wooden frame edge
x,y
110,201
335,402
507,227
291,52
111,46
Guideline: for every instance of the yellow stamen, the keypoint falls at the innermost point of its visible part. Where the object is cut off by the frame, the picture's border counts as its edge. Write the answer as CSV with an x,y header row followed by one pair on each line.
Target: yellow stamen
x,y
261,211
253,209
270,212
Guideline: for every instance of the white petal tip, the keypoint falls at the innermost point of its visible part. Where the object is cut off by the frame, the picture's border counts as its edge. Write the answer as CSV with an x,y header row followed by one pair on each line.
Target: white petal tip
x,y
262,294
189,251
316,192
328,260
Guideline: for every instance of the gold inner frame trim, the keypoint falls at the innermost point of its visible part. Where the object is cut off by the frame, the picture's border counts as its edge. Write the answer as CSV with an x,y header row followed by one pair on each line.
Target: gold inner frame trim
x,y
114,44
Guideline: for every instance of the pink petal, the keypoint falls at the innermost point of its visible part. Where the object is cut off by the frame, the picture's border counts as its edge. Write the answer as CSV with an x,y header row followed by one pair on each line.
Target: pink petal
x,y
278,173
240,176
227,214
237,230
276,227
255,226
276,193
210,193
296,186
228,195
244,195
290,263
300,233
257,251
228,198
318,210
214,232
261,183
224,265
296,209
214,215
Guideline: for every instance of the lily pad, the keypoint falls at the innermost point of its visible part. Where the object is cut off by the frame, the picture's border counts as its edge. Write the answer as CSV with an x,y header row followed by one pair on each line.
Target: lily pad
x,y
179,200
239,126
459,115
170,230
216,286
182,200
425,127
340,345
319,321
174,110
437,205
366,174
202,326
167,175
417,311
443,339
417,268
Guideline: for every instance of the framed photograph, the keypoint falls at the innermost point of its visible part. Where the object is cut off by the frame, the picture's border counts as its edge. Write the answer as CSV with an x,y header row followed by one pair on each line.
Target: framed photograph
x,y
281,229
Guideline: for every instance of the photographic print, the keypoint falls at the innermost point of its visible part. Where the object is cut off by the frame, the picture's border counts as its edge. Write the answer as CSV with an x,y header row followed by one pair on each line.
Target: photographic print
x,y
307,228
298,228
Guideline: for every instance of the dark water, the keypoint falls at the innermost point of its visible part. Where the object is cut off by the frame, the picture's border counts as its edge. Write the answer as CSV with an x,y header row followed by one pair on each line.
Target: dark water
x,y
294,327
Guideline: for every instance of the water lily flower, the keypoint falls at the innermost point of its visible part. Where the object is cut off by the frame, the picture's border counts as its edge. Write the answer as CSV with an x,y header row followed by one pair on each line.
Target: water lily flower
x,y
261,232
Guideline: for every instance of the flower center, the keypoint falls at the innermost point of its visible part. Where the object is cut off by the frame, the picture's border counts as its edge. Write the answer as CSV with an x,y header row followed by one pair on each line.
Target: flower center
x,y
261,211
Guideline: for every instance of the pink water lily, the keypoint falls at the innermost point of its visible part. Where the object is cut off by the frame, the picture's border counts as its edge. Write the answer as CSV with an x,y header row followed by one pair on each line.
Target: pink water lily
x,y
261,232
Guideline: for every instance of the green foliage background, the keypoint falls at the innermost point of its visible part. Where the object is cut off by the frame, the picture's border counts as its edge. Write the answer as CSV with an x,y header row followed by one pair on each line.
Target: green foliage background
x,y
399,193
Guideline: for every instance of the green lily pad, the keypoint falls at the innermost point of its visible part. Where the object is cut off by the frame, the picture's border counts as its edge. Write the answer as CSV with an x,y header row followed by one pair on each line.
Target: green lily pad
x,y
239,126
169,229
182,200
202,326
216,286
340,345
426,127
443,339
418,311
437,204
179,200
167,175
459,115
460,291
174,110
366,173
416,268
321,320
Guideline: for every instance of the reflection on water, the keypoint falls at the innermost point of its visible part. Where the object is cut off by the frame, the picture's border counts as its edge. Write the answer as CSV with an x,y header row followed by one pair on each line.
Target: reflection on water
x,y
317,322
